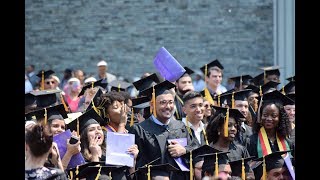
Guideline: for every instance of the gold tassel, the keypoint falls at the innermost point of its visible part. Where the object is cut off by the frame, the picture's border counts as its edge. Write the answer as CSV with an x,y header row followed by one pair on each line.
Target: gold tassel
x,y
77,171
154,102
206,71
110,177
232,100
264,77
45,116
92,84
284,93
260,91
226,123
132,116
42,81
243,172
78,131
64,103
71,175
264,170
208,96
119,87
191,166
98,175
148,174
219,100
216,167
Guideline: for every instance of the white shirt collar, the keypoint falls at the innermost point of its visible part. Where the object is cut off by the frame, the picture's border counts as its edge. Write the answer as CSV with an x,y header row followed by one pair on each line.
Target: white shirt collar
x,y
158,122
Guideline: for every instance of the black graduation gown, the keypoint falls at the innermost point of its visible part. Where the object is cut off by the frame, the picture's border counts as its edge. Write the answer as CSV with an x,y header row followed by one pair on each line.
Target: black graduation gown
x,y
203,142
238,151
243,134
151,139
178,114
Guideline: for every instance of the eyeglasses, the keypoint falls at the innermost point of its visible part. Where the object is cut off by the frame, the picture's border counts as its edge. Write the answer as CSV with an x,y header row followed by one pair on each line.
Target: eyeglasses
x,y
48,82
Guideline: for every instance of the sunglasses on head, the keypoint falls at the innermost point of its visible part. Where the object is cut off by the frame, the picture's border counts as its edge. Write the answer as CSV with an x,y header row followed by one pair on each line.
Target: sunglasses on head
x,y
48,82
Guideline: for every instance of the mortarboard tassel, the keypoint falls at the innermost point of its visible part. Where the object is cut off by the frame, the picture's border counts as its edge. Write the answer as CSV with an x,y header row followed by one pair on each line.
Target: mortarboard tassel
x,y
264,77
42,81
232,100
77,171
119,87
264,170
148,174
216,167
283,92
132,116
243,172
110,177
71,175
154,102
64,103
92,84
218,100
78,131
191,166
98,175
260,91
226,123
45,116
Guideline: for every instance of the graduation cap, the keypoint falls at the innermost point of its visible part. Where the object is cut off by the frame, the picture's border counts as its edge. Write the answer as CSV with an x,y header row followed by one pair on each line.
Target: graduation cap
x,y
188,72
45,98
93,170
118,85
270,161
241,95
93,84
50,113
268,87
240,166
241,80
45,74
206,67
155,91
213,160
253,88
292,96
140,102
292,78
277,97
83,121
258,80
146,82
228,112
271,70
29,99
289,88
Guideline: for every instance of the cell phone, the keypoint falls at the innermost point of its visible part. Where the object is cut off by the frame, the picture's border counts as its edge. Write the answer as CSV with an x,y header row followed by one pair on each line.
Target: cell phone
x,y
73,140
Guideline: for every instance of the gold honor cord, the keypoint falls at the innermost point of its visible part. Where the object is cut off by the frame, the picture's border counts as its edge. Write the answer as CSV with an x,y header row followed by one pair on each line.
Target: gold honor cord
x,y
190,132
243,172
98,175
218,100
191,166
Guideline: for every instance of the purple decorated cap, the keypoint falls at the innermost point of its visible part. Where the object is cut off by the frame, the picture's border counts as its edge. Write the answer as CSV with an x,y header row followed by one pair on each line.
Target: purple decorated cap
x,y
167,65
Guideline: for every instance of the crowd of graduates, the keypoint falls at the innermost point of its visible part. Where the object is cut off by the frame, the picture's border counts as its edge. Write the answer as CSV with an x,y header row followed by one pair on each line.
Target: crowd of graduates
x,y
246,131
